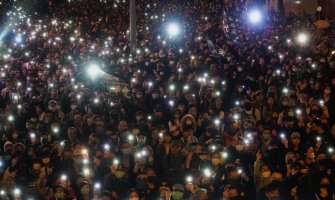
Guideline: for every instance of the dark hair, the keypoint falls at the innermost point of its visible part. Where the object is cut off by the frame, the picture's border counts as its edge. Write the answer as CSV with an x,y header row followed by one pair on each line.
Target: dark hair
x,y
273,186
133,190
106,193
172,116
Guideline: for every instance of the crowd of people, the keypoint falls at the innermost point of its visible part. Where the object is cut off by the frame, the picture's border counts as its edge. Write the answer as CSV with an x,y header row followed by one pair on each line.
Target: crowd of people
x,y
219,109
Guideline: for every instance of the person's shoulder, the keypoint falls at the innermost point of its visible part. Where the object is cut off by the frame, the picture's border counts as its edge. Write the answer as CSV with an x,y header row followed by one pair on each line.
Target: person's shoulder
x,y
110,176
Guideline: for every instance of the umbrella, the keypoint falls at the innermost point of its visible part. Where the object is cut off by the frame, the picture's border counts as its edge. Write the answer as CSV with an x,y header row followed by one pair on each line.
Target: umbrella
x,y
322,24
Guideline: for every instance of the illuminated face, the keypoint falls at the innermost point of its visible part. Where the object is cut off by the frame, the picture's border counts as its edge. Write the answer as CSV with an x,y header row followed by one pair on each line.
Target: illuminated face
x,y
232,193
324,181
123,126
265,168
133,195
303,97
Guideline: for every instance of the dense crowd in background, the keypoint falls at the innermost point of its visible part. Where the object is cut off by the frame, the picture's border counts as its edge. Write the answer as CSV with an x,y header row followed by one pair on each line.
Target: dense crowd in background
x,y
224,110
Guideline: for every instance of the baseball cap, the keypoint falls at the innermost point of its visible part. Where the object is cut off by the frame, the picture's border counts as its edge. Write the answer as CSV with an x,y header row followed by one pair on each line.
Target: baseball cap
x,y
295,135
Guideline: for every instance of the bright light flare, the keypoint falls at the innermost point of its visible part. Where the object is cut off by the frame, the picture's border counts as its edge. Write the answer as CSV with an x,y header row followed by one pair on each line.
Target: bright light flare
x,y
63,177
213,147
106,147
207,172
86,171
282,136
255,16
302,38
97,186
224,154
84,152
94,71
298,111
172,87
18,39
189,179
116,161
130,138
10,118
17,192
173,29
322,102
171,103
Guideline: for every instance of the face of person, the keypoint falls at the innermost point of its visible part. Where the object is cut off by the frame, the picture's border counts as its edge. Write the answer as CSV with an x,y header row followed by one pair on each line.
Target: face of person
x,y
78,120
175,149
265,168
72,134
48,117
187,133
193,111
133,195
167,138
232,193
275,176
122,126
272,194
296,141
